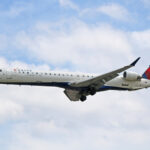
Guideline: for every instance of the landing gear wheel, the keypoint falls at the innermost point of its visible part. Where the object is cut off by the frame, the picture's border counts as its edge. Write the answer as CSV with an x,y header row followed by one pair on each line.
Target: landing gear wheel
x,y
83,98
92,91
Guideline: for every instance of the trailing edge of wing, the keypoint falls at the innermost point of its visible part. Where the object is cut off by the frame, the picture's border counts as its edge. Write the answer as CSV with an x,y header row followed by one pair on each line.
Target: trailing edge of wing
x,y
102,79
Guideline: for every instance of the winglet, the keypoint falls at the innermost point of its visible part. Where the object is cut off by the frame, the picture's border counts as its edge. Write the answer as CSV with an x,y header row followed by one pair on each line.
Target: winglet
x,y
134,63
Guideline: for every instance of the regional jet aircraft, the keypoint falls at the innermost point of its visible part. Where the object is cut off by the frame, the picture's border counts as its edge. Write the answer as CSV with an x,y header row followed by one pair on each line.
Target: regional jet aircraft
x,y
78,87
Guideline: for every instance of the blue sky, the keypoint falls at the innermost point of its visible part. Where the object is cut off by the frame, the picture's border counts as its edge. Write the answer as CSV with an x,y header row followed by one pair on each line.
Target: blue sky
x,y
34,11
78,36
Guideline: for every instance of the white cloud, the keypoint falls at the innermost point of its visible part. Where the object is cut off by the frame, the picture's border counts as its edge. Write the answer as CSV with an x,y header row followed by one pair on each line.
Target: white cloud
x,y
68,3
9,110
141,39
108,123
77,44
115,11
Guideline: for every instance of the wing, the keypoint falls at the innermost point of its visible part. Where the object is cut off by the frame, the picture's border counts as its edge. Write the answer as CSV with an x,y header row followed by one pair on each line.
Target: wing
x,y
102,79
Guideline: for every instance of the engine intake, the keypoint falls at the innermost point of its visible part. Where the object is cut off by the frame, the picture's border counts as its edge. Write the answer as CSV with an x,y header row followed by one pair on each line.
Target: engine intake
x,y
131,76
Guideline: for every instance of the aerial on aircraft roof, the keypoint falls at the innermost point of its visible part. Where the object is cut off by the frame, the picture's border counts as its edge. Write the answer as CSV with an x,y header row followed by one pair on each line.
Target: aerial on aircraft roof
x,y
79,86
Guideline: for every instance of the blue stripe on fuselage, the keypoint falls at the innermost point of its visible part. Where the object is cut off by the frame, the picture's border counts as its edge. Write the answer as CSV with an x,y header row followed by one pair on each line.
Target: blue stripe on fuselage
x,y
63,85
105,88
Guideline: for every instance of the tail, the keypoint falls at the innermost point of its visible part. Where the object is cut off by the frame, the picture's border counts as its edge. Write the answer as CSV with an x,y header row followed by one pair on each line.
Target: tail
x,y
146,75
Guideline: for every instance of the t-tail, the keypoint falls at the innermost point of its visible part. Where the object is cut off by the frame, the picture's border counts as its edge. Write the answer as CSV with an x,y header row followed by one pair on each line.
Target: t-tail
x,y
146,75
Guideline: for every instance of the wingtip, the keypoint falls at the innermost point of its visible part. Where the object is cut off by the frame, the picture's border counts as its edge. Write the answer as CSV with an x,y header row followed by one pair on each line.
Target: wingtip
x,y
134,63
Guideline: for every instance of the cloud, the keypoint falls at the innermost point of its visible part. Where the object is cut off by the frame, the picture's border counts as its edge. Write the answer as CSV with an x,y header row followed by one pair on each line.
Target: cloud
x,y
142,39
76,45
115,11
43,124
68,3
9,110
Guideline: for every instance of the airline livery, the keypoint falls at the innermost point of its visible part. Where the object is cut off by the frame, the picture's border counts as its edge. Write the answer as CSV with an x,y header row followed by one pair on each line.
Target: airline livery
x,y
78,87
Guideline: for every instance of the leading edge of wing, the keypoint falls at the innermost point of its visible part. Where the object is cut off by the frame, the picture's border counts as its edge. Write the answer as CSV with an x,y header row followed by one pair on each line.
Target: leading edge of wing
x,y
100,80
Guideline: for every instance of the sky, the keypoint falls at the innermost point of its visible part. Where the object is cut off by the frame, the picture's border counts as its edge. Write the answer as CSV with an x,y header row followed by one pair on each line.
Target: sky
x,y
78,36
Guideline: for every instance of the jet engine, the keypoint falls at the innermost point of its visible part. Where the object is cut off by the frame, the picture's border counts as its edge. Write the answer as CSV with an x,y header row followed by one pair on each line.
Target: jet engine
x,y
131,76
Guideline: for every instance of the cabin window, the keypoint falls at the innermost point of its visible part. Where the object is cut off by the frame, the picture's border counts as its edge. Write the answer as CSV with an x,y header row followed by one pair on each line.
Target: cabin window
x,y
45,73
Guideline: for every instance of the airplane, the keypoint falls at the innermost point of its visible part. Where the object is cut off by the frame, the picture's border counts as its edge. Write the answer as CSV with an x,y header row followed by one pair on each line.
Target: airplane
x,y
76,86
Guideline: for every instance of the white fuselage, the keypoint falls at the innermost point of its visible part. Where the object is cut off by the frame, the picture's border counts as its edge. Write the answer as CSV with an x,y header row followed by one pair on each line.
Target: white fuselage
x,y
28,77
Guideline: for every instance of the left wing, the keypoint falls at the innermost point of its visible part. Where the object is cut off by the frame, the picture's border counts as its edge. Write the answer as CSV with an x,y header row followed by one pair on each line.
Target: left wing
x,y
102,79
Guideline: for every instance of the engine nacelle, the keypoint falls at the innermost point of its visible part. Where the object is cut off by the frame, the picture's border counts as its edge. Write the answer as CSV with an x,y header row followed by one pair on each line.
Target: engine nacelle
x,y
131,76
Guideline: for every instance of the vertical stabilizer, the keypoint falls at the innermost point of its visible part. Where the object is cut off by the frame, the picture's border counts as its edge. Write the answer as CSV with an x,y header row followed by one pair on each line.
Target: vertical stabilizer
x,y
146,75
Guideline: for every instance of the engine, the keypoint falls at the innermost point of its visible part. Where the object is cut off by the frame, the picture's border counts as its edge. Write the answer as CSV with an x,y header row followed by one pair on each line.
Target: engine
x,y
131,76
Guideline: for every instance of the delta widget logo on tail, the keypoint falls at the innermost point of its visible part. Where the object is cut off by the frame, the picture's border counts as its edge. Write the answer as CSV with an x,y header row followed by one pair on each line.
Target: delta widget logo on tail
x,y
146,75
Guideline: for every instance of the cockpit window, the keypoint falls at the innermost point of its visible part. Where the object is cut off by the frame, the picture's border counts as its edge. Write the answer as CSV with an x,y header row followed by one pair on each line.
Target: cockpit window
x,y
0,70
